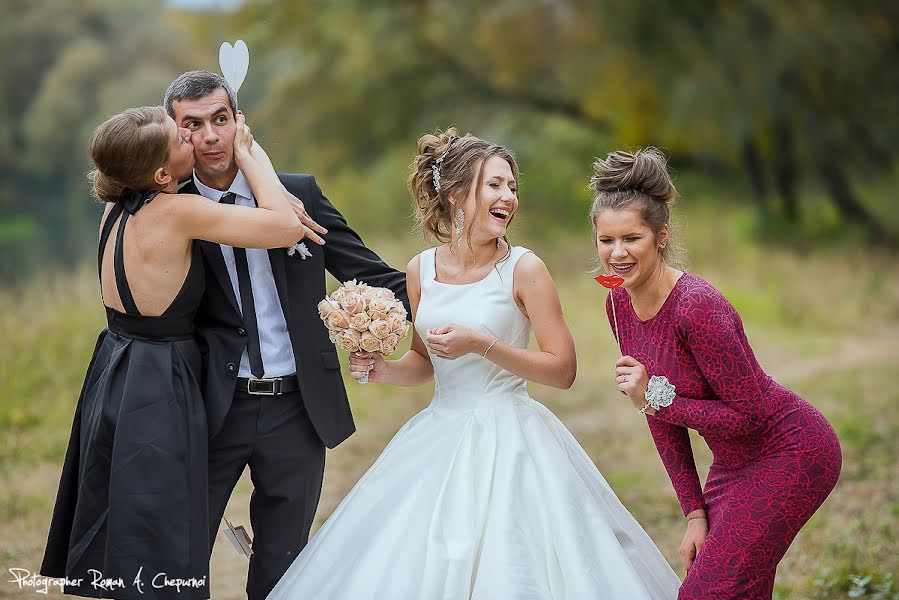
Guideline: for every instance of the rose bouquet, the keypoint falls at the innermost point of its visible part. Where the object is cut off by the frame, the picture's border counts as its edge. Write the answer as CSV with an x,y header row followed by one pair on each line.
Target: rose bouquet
x,y
361,318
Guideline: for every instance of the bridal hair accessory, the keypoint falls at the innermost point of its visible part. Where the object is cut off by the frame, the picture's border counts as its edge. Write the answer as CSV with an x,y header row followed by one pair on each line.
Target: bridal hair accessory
x,y
361,318
234,62
435,168
659,393
611,282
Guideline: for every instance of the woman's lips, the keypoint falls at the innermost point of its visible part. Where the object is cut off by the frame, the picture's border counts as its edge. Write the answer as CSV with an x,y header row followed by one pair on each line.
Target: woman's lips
x,y
623,269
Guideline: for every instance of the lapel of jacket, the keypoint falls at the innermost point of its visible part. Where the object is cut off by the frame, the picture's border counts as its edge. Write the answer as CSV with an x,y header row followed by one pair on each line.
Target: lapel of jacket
x,y
214,258
216,262
276,257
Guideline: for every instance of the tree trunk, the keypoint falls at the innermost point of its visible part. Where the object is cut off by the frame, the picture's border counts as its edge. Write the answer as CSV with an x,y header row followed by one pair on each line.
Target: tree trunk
x,y
785,170
849,207
753,165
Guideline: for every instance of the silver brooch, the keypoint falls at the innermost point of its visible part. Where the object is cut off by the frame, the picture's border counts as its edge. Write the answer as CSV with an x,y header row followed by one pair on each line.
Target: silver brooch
x,y
299,248
659,392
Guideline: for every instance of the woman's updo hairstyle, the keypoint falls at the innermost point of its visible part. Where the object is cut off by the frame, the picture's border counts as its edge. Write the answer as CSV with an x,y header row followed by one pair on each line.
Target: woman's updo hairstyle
x,y
126,150
636,181
453,163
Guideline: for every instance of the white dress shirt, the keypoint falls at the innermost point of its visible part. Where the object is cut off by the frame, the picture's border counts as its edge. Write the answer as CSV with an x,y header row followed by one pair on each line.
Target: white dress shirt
x,y
274,341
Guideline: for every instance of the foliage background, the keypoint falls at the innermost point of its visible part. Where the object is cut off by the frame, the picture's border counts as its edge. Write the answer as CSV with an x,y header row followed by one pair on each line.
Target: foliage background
x,y
779,118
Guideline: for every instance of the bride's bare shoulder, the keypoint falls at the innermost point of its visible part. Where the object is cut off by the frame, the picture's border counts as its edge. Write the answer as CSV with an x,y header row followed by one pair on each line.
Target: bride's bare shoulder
x,y
530,265
414,265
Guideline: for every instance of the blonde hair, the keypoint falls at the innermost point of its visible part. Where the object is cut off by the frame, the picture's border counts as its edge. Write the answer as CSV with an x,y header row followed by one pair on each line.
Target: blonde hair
x,y
126,149
462,166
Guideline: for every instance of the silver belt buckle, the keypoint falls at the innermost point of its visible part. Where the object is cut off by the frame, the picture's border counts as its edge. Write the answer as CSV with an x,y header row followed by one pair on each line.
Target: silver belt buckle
x,y
263,387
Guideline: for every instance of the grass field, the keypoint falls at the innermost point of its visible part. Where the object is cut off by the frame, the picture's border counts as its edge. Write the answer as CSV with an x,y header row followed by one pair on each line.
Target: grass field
x,y
824,322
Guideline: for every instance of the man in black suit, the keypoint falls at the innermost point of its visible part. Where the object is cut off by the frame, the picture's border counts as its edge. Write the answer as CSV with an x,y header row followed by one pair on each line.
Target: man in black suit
x,y
272,385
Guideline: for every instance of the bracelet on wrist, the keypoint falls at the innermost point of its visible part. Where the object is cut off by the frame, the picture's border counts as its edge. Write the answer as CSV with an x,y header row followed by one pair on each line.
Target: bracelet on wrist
x,y
489,347
697,517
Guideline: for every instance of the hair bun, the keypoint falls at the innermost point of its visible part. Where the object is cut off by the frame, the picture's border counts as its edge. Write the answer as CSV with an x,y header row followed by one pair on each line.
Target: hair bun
x,y
434,146
104,187
643,171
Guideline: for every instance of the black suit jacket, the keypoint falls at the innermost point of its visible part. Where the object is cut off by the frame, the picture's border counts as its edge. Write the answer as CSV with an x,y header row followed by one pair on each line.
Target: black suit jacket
x,y
301,286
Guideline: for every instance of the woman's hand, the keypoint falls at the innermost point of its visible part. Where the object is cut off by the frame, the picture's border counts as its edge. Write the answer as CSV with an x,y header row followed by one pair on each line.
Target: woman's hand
x,y
311,229
243,139
632,380
368,363
452,341
694,538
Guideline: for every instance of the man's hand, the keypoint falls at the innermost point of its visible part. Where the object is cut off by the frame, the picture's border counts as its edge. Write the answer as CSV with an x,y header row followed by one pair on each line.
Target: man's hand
x,y
311,229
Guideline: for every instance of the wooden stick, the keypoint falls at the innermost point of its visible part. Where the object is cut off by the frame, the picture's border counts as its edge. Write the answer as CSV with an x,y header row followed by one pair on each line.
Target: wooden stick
x,y
615,317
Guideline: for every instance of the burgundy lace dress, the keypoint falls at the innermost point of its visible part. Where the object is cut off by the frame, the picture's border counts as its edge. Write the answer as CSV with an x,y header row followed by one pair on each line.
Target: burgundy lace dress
x,y
776,458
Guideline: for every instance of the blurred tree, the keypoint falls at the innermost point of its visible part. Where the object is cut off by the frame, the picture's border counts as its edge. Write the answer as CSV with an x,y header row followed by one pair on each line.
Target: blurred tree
x,y
793,88
66,67
357,76
780,90
791,94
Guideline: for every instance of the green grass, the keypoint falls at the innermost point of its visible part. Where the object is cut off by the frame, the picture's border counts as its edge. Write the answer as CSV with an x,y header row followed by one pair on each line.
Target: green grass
x,y
824,323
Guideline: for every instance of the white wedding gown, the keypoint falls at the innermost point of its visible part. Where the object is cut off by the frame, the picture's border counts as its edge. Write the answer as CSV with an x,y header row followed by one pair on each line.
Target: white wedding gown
x,y
484,494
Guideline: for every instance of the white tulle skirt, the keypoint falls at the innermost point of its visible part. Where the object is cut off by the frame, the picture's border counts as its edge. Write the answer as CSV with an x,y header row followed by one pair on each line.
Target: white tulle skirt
x,y
498,502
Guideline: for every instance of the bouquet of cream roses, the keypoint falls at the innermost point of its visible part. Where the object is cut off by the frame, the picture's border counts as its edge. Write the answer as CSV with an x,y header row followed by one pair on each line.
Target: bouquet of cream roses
x,y
361,318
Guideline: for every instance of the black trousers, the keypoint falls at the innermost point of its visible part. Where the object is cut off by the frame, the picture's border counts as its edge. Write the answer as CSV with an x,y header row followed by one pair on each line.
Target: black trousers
x,y
273,435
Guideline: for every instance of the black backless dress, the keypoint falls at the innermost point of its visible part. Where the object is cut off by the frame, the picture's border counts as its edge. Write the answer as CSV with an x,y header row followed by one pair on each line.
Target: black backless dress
x,y
131,513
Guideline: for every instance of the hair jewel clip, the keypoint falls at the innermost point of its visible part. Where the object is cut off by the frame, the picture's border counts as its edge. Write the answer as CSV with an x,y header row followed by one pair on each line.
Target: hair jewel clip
x,y
435,168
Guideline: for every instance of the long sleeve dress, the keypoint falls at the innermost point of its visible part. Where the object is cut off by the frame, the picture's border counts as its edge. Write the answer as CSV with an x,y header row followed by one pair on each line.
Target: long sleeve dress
x,y
776,458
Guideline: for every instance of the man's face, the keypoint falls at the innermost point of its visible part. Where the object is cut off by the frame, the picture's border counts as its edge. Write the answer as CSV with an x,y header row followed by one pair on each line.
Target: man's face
x,y
211,125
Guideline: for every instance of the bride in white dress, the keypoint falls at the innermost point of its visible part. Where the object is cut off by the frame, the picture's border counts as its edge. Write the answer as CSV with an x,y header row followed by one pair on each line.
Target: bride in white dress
x,y
484,494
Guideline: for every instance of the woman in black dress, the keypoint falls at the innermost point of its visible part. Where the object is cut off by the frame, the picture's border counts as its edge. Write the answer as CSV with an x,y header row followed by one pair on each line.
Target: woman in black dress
x,y
131,513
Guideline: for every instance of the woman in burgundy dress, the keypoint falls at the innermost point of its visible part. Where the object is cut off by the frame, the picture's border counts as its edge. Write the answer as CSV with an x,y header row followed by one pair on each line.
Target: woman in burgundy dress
x,y
688,365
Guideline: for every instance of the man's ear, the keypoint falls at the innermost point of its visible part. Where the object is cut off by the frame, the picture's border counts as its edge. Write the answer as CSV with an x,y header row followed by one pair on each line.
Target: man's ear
x,y
162,177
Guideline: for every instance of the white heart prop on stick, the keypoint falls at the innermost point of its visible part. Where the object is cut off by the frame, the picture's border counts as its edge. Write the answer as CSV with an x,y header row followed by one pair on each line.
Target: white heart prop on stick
x,y
234,62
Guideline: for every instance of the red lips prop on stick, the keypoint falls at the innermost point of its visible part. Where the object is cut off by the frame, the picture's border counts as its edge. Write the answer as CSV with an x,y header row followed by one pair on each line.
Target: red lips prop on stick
x,y
611,282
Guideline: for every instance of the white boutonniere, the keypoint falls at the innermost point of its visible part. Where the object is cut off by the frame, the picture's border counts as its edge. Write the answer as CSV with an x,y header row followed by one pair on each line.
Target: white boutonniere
x,y
299,248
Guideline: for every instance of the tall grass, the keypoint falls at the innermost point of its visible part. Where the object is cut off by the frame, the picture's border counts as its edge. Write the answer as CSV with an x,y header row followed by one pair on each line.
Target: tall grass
x,y
823,322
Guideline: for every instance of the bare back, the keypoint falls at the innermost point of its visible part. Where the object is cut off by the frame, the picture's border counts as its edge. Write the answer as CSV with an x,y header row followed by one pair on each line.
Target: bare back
x,y
157,258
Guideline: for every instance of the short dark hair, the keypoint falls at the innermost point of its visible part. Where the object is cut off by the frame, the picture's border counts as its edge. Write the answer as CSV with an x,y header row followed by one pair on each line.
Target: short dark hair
x,y
194,85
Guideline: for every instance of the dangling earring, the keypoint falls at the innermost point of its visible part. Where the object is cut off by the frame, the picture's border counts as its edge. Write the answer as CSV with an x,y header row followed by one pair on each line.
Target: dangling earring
x,y
458,222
